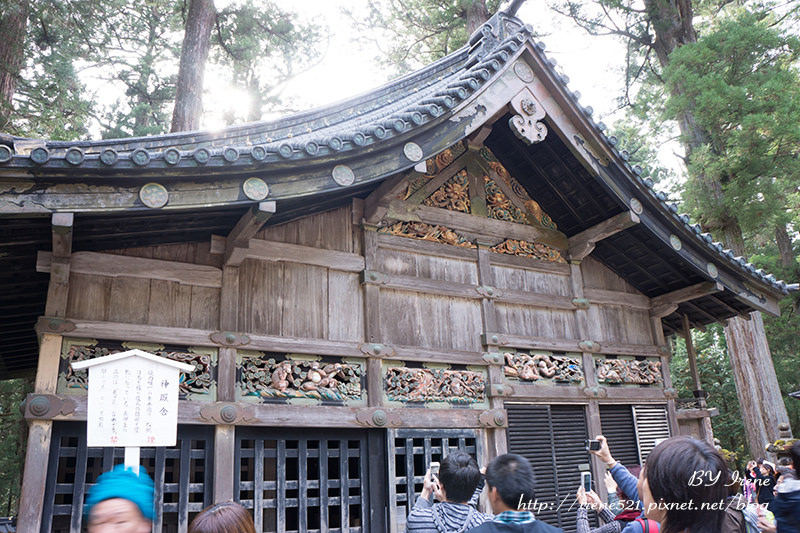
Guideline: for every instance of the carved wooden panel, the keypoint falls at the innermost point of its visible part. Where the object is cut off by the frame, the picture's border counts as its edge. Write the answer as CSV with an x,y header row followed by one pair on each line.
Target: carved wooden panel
x,y
638,371
544,367
294,378
454,385
199,384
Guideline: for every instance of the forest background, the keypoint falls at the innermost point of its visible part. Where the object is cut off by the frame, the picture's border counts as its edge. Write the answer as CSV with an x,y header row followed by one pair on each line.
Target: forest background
x,y
717,82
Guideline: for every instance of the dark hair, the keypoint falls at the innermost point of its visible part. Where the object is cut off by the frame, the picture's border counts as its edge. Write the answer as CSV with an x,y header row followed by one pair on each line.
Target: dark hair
x,y
794,454
512,476
459,475
671,472
770,470
225,517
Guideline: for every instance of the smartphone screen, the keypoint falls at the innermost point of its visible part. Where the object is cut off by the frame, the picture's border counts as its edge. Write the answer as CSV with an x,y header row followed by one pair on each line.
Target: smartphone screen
x,y
586,481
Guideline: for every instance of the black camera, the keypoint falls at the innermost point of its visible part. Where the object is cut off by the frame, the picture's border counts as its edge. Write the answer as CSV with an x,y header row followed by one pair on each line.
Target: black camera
x,y
593,445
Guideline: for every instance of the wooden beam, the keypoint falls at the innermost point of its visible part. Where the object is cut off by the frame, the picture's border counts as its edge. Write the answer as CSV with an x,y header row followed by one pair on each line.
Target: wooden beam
x,y
476,228
390,188
294,253
113,265
607,297
583,243
237,242
458,164
58,288
62,234
685,294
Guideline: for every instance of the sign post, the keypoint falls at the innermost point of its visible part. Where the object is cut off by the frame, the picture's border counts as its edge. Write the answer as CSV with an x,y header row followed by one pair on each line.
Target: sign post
x,y
133,402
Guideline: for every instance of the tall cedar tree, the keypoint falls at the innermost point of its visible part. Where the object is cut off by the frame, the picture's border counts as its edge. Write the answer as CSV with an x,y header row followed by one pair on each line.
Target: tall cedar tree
x,y
653,35
194,54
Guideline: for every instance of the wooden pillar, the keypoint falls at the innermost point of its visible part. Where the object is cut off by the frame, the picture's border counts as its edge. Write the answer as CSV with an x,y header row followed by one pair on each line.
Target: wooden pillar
x,y
699,393
672,411
372,319
586,330
40,432
497,439
225,435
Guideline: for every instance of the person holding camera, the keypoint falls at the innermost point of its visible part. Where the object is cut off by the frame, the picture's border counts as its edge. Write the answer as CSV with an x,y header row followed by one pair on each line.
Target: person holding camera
x,y
511,490
457,488
682,486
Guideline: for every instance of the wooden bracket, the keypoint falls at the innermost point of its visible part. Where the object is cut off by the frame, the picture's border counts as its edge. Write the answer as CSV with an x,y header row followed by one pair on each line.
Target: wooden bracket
x,y
228,413
377,350
583,243
589,346
229,338
660,311
53,325
491,339
581,303
47,406
237,242
494,358
670,393
659,304
595,392
500,390
378,418
489,292
495,418
372,277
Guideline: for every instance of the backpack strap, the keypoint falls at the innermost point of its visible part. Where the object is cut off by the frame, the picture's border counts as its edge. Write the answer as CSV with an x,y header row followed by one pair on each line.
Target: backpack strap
x,y
645,524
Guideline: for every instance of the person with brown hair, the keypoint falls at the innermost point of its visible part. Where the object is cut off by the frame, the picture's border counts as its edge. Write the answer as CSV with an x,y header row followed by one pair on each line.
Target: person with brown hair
x,y
225,517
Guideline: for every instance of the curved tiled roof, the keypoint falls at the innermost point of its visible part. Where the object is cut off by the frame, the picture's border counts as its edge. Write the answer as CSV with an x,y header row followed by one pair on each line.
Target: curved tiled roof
x,y
365,139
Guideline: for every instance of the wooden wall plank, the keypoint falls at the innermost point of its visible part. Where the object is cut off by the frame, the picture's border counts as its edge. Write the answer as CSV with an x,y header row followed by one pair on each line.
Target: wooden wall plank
x,y
137,267
129,300
305,301
345,307
88,296
204,313
329,230
260,296
278,251
170,303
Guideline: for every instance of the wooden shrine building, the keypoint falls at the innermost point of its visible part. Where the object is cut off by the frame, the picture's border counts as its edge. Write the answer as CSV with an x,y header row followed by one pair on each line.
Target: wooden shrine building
x,y
458,259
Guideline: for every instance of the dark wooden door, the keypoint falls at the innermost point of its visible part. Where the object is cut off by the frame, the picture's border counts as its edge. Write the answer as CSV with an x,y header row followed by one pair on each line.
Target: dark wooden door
x,y
183,477
312,481
553,439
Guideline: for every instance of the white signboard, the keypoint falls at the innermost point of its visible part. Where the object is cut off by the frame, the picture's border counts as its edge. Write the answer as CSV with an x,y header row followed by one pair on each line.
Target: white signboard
x,y
133,399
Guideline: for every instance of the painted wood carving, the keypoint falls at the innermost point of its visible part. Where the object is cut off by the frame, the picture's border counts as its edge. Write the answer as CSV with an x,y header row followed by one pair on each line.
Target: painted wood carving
x,y
528,249
424,385
283,376
625,371
542,367
195,384
427,232
453,195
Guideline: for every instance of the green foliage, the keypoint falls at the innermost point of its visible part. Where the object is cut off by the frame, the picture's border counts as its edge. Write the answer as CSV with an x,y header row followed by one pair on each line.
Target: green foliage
x,y
635,138
115,63
12,445
261,47
741,83
412,33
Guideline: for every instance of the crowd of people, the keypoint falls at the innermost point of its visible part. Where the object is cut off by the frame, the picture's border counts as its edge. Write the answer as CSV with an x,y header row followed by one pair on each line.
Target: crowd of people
x,y
685,486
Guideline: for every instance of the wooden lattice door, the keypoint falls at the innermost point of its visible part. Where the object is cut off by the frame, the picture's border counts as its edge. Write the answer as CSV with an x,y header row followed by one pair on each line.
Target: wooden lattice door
x,y
311,481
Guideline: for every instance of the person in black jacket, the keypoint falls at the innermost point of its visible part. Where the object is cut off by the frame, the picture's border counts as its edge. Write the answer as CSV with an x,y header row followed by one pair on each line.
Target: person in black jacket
x,y
786,505
764,472
511,490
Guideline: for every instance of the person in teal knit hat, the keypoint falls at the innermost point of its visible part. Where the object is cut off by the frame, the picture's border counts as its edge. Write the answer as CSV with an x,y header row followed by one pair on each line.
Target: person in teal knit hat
x,y
121,502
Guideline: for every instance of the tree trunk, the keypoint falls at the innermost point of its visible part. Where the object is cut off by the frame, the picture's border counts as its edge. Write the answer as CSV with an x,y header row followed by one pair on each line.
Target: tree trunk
x,y
477,15
785,247
13,25
760,397
194,53
762,406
